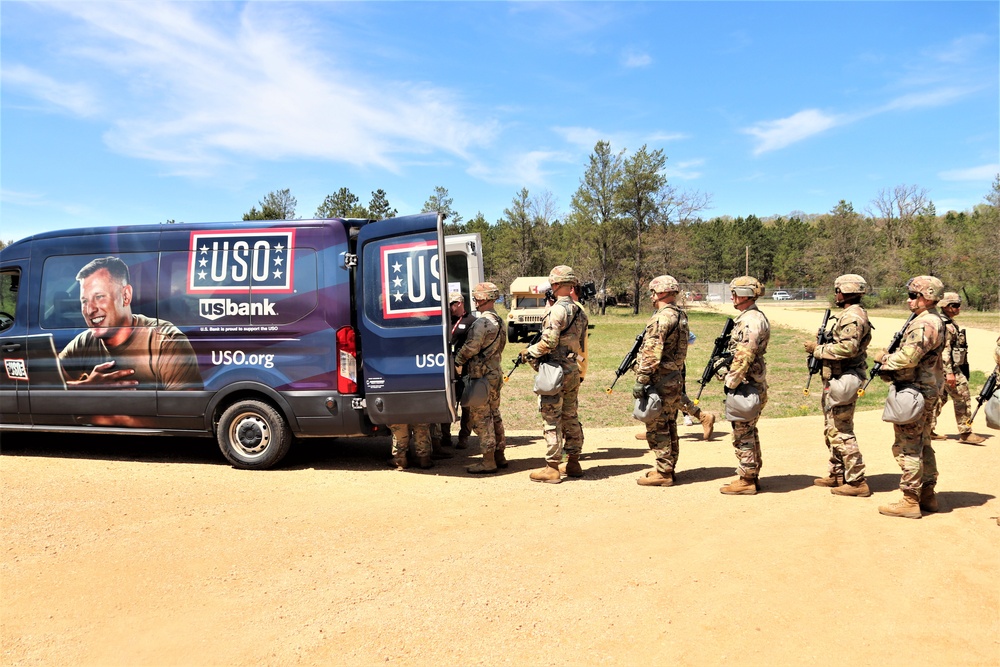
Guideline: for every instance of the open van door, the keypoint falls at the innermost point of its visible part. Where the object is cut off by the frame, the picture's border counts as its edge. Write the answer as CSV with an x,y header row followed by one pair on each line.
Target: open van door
x,y
464,256
401,290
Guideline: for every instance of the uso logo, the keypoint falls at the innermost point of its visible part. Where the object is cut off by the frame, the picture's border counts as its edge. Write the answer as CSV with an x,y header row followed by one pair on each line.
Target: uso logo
x,y
231,262
411,279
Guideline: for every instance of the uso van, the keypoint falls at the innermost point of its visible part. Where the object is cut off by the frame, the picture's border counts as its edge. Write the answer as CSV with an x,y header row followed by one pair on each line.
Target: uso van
x,y
251,332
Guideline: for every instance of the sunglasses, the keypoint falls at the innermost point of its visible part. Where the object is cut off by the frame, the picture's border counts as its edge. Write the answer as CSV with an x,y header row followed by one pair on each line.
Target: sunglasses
x,y
912,295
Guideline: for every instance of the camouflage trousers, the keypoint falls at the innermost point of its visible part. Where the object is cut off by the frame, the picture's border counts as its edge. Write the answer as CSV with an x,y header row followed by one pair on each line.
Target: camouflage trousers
x,y
913,451
401,437
661,434
561,425
746,441
688,407
962,400
845,456
486,420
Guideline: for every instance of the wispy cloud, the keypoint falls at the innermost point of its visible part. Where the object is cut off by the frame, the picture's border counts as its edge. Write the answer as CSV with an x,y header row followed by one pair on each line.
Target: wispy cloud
x,y
72,97
985,172
528,169
633,59
774,134
199,94
686,170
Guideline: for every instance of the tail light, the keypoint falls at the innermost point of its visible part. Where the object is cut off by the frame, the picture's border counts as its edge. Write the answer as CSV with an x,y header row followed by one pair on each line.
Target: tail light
x,y
347,361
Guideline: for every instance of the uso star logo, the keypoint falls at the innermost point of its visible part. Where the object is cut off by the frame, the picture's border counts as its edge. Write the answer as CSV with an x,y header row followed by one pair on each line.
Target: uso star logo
x,y
411,279
231,262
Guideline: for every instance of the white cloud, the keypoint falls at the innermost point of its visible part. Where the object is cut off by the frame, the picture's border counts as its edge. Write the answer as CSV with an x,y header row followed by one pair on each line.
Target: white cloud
x,y
926,98
986,172
520,169
196,95
685,171
774,134
631,59
73,97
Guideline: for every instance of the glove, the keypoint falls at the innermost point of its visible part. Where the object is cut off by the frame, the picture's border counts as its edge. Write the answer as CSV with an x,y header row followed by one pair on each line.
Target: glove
x,y
638,390
881,357
524,355
810,346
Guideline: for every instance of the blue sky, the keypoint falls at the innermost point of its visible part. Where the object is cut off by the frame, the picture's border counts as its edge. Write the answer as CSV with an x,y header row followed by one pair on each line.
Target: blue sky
x,y
194,111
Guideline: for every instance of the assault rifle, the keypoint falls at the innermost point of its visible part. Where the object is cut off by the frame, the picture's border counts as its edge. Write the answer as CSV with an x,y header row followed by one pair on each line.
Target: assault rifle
x,y
897,338
986,393
822,338
719,357
518,360
628,361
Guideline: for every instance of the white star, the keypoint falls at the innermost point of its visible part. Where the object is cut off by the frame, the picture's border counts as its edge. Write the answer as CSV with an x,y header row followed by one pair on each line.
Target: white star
x,y
277,275
396,267
398,296
201,275
279,248
202,262
278,261
204,248
397,282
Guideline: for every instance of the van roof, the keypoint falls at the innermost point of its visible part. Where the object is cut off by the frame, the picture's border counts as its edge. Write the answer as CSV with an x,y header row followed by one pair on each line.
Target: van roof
x,y
527,285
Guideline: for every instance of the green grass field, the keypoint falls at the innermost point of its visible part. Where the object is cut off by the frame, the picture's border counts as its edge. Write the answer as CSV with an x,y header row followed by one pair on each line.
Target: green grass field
x,y
612,337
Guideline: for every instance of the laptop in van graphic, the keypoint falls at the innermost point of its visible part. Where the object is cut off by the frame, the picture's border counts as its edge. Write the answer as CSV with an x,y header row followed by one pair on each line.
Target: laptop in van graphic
x,y
38,365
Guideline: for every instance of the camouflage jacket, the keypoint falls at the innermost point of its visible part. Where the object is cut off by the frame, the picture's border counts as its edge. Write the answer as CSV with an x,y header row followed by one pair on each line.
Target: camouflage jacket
x,y
483,345
956,349
564,334
851,333
918,359
664,342
748,345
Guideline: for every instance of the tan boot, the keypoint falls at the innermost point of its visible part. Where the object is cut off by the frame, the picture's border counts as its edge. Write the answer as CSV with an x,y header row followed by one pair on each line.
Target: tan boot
x,y
936,436
908,507
928,499
859,489
656,478
499,457
437,451
549,474
740,487
487,465
425,462
707,424
971,438
399,462
829,480
572,467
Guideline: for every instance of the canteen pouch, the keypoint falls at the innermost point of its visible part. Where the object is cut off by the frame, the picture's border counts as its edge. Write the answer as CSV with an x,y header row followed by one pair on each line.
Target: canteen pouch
x,y
843,390
904,404
743,403
993,411
648,408
549,379
475,393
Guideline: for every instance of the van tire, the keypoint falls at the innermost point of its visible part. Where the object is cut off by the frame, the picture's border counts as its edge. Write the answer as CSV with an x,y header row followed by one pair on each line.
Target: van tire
x,y
253,435
513,333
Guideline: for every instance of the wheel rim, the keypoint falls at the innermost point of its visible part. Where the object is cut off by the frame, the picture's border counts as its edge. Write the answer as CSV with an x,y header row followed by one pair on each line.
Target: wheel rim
x,y
250,434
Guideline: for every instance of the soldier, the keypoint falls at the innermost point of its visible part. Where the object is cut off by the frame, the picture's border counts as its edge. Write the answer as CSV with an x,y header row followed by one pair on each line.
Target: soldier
x,y
851,333
747,346
563,341
659,367
917,361
955,362
481,352
461,321
401,438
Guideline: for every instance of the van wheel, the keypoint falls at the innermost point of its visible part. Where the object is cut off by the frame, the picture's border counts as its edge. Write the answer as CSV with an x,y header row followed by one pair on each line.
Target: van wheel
x,y
253,435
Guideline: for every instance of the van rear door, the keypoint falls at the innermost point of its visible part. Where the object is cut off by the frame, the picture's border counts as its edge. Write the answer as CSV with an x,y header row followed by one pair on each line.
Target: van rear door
x,y
401,288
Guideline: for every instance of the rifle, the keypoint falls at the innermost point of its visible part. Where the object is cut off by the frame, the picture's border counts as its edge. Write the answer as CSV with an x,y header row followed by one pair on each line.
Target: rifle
x,y
897,338
822,338
719,357
626,365
986,393
517,360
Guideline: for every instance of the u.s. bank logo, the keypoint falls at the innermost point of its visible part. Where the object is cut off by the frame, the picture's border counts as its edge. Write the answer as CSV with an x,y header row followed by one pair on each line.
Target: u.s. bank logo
x,y
411,278
233,262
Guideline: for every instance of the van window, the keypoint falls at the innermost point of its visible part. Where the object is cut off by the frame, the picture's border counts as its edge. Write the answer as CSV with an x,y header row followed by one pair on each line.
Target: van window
x,y
405,291
9,284
60,305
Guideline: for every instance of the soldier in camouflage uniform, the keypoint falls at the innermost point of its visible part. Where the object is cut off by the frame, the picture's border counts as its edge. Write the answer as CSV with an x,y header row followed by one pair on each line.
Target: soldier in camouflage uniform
x,y
481,352
747,345
955,362
401,437
659,368
917,362
563,341
851,333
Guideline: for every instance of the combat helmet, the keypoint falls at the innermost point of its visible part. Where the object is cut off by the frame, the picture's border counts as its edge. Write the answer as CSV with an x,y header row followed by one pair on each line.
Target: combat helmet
x,y
664,283
746,286
950,299
929,287
850,283
485,292
562,274
455,297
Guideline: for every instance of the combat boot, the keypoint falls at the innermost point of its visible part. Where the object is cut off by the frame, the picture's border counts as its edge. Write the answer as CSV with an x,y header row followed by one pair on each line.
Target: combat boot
x,y
740,487
399,462
437,451
908,507
425,462
487,465
829,481
936,436
549,474
707,420
859,489
928,499
499,457
463,442
656,478
971,438
571,468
